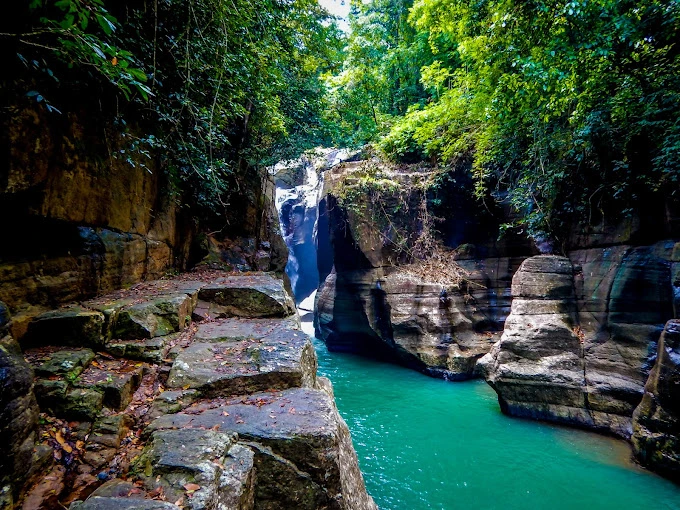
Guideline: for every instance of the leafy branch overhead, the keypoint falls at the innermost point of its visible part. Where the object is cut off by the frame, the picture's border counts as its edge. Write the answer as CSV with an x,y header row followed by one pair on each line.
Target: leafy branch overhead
x,y
81,32
567,110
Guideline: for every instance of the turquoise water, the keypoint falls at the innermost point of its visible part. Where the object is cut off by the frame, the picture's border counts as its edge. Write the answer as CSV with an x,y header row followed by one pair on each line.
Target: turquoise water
x,y
427,443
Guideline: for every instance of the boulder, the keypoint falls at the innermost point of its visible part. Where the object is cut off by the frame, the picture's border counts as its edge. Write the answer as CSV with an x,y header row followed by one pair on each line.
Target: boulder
x,y
537,366
59,362
279,360
577,346
203,468
152,350
75,327
18,420
157,316
656,421
117,380
257,295
303,451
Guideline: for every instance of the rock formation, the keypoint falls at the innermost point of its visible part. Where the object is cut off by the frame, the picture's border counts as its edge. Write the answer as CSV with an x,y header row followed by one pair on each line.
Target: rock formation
x,y
86,222
656,421
580,341
143,408
371,303
18,416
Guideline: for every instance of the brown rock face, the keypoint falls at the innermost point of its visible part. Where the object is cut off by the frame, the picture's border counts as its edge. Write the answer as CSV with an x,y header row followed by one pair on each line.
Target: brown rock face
x,y
656,421
405,317
577,346
18,420
371,302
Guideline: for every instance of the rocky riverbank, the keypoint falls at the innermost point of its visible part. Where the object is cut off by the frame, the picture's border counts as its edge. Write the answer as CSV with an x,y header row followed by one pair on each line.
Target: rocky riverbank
x,y
195,392
575,339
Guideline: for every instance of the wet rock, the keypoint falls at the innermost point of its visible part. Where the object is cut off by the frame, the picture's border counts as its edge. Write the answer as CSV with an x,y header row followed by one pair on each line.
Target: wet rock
x,y
656,421
303,452
76,327
18,418
281,359
207,460
100,503
117,380
59,362
260,295
160,316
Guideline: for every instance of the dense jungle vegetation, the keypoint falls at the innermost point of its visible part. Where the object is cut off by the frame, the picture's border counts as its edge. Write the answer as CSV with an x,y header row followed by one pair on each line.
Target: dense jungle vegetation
x,y
567,110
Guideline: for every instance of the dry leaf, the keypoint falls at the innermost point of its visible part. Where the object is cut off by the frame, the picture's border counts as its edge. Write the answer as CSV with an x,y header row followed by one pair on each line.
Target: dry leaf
x,y
192,487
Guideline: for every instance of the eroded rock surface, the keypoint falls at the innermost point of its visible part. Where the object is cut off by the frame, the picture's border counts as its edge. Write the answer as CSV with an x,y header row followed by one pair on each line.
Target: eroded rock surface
x,y
303,452
579,343
18,421
101,373
656,421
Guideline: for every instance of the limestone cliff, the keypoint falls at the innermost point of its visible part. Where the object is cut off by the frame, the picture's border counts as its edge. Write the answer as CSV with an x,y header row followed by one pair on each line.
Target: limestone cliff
x,y
84,214
371,301
656,421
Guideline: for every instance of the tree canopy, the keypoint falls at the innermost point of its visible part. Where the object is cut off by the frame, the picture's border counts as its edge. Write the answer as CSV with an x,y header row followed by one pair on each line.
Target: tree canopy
x,y
567,109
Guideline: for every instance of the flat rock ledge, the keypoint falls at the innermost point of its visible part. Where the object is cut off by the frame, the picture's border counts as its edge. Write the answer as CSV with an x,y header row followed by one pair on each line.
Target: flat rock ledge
x,y
187,393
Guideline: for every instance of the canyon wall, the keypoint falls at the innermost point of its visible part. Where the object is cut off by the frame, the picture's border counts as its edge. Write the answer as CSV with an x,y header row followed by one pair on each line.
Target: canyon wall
x,y
574,339
371,300
85,214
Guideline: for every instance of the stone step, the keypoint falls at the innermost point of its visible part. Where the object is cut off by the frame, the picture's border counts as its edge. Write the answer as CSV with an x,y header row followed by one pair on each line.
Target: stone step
x,y
151,350
101,503
201,468
303,451
280,359
242,329
75,326
75,383
116,379
143,317
255,295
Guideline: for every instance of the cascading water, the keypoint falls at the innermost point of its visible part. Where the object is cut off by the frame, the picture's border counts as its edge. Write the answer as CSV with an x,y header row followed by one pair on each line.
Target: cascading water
x,y
299,185
428,443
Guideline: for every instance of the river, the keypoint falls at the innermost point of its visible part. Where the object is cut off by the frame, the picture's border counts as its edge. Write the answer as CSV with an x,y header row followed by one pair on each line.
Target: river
x,y
427,443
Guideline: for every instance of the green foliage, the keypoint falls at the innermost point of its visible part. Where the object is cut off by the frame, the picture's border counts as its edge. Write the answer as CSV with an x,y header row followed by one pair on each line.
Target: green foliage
x,y
380,77
207,90
81,33
572,107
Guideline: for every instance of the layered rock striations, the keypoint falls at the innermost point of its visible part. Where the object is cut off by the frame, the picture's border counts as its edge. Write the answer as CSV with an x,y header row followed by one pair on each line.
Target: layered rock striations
x,y
581,339
372,301
656,421
143,408
89,215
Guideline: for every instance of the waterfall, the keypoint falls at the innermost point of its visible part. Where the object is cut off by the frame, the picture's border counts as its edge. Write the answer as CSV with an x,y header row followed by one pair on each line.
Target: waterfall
x,y
299,188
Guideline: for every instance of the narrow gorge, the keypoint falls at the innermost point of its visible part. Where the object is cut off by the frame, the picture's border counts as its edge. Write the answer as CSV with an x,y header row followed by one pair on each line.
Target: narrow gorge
x,y
340,255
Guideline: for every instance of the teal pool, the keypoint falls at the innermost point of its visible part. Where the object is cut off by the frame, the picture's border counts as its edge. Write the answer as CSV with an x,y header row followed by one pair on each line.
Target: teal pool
x,y
426,443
